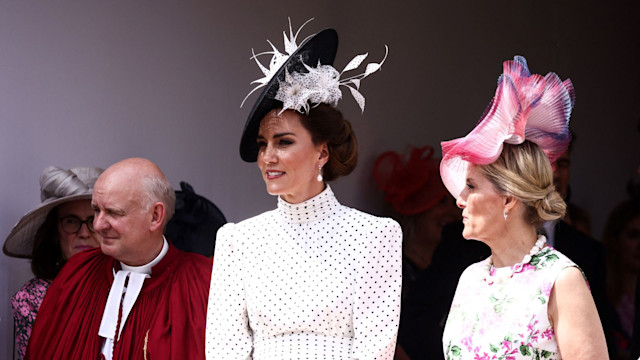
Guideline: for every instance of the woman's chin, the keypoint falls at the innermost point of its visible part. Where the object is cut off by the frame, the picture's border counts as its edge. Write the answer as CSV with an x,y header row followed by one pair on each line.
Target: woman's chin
x,y
273,191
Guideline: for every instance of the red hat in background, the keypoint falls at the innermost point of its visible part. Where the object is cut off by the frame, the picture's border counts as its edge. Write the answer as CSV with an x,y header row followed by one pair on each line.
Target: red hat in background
x,y
413,186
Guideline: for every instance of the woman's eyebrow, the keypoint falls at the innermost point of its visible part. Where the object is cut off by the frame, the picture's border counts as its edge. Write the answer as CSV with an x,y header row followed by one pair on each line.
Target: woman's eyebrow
x,y
278,135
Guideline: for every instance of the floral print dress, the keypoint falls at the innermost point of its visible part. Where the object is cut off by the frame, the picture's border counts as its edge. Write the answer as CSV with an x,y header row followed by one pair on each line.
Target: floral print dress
x,y
26,303
497,315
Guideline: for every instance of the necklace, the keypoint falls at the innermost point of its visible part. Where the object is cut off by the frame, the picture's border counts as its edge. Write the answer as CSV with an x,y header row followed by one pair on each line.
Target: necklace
x,y
490,271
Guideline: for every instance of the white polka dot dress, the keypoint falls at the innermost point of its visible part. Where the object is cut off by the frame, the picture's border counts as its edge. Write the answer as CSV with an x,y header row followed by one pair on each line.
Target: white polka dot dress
x,y
315,280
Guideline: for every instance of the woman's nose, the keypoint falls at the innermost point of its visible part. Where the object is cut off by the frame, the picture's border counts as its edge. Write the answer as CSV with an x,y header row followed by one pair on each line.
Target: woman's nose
x,y
460,202
269,154
84,231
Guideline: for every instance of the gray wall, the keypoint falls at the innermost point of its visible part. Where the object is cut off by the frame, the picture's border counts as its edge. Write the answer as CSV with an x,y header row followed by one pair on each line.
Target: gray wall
x,y
90,83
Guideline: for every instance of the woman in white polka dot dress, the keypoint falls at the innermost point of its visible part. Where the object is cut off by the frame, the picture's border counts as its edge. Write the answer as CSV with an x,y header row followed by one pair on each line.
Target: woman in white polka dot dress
x,y
312,279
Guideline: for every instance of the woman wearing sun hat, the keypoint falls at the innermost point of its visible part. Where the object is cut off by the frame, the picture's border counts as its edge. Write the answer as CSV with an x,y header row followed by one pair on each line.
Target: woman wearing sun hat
x,y
312,279
527,300
60,227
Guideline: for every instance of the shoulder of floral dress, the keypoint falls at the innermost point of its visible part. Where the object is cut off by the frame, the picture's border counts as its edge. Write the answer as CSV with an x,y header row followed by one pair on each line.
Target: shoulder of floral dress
x,y
555,262
32,290
475,268
551,259
34,285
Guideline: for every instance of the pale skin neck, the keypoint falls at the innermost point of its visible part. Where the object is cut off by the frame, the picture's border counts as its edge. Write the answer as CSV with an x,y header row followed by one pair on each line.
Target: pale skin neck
x,y
514,242
156,248
314,189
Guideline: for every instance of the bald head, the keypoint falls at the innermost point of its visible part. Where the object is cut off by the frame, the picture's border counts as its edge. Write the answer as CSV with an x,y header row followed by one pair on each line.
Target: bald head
x,y
146,178
132,201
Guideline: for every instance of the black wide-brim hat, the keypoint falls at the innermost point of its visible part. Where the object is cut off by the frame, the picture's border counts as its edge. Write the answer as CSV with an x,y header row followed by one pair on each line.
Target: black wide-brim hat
x,y
321,47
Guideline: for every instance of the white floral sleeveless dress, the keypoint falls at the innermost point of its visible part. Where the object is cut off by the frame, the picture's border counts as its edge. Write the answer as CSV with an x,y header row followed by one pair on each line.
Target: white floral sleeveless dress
x,y
502,314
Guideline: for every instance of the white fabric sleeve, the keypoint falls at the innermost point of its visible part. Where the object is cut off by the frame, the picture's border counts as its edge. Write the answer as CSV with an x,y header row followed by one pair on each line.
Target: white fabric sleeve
x,y
376,311
228,335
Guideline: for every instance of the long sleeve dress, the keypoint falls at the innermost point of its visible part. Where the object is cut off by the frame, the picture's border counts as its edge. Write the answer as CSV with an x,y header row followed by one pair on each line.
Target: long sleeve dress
x,y
315,280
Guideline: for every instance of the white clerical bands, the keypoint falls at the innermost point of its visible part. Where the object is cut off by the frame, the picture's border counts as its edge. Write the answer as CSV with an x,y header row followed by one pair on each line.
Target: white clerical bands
x,y
110,316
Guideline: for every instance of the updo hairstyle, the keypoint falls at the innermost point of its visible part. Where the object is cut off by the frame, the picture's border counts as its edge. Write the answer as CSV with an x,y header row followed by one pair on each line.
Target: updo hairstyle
x,y
524,171
326,124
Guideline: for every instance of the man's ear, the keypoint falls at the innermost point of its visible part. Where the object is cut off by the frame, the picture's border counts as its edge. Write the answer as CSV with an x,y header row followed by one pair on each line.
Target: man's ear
x,y
157,216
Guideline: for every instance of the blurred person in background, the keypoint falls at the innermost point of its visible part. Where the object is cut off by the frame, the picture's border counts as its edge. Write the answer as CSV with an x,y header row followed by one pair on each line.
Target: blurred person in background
x,y
60,227
422,206
194,224
621,237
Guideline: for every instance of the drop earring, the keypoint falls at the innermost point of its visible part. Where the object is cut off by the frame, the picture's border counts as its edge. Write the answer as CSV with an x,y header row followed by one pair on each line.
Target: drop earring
x,y
505,215
319,178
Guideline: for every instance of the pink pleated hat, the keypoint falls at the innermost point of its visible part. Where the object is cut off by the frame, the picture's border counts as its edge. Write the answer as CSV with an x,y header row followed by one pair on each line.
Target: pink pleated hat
x,y
525,107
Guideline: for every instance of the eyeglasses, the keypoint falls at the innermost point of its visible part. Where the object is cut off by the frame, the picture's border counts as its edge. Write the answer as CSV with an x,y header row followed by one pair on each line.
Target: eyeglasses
x,y
73,224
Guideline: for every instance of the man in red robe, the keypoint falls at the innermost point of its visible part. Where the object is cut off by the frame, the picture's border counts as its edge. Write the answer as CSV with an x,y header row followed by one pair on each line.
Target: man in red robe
x,y
137,297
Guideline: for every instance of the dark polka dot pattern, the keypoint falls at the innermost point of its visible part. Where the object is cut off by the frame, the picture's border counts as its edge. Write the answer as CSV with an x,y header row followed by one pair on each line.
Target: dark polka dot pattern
x,y
315,280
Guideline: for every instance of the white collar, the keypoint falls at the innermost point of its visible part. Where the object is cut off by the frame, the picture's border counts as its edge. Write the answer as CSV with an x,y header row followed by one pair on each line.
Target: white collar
x,y
146,269
136,276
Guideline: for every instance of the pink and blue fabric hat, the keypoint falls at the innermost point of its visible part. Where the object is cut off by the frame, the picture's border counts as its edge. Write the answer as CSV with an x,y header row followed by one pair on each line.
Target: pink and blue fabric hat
x,y
525,107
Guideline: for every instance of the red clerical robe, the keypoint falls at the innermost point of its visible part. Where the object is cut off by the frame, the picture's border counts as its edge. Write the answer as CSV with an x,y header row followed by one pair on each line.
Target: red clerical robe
x,y
167,320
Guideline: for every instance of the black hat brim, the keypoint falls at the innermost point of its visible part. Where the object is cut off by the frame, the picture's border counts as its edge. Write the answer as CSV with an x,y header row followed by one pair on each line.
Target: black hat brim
x,y
321,47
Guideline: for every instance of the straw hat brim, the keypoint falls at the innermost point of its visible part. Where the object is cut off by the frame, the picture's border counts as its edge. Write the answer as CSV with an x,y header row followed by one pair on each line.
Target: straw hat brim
x,y
19,243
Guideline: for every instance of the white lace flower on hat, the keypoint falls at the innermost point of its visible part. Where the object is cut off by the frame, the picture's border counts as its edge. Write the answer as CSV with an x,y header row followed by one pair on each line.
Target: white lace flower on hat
x,y
277,60
319,85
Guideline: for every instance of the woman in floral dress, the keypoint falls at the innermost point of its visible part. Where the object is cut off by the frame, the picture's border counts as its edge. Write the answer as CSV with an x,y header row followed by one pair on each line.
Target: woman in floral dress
x,y
61,226
527,300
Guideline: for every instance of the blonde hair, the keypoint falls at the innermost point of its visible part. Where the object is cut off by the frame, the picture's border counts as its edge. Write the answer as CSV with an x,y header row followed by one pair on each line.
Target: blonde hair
x,y
524,171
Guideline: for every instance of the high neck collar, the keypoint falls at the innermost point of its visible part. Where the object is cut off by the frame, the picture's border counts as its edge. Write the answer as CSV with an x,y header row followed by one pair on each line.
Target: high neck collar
x,y
146,269
314,209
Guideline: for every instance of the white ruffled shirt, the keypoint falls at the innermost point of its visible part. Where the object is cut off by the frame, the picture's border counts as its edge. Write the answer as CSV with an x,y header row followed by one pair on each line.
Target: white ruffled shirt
x,y
315,280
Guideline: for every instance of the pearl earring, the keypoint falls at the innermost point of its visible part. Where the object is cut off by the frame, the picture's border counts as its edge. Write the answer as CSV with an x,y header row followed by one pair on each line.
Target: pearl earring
x,y
319,178
505,215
